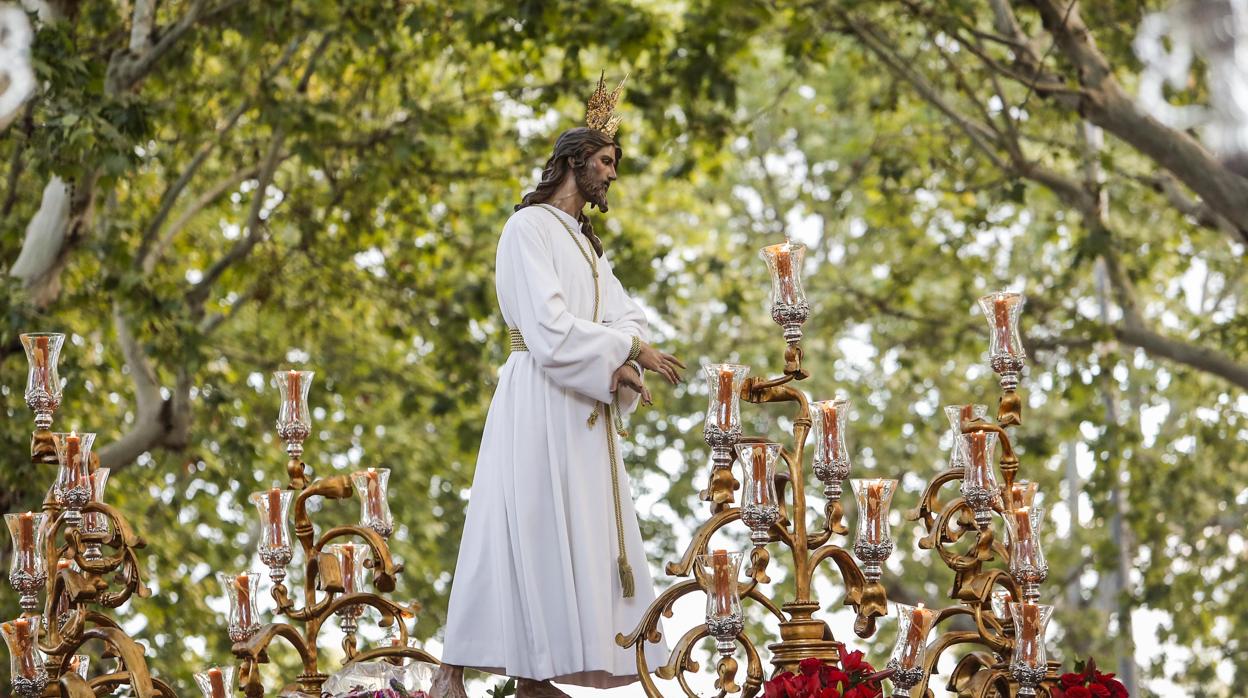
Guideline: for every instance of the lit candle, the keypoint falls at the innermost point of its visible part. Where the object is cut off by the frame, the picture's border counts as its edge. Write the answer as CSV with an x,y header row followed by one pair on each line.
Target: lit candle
x,y
979,475
62,601
720,578
724,399
24,647
968,413
293,393
26,542
875,513
41,363
759,468
277,531
1001,320
373,498
784,273
347,560
216,682
916,635
242,587
1022,530
831,431
1028,638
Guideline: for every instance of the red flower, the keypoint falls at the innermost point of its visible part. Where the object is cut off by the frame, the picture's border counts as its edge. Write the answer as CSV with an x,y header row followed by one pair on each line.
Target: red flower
x,y
1099,690
829,692
832,676
1116,689
810,666
1069,680
1078,692
853,662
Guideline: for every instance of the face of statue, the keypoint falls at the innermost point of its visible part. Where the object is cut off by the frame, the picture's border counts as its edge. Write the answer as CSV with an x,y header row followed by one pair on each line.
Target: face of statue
x,y
594,177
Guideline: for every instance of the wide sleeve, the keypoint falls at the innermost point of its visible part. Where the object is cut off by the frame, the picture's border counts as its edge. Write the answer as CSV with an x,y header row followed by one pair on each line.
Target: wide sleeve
x,y
624,314
574,352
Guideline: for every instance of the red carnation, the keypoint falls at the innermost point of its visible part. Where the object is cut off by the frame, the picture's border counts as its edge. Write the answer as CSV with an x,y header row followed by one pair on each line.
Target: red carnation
x,y
810,666
1078,692
1099,690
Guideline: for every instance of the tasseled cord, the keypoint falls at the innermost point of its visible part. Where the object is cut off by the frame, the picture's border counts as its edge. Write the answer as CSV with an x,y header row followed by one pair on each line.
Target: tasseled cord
x,y
628,584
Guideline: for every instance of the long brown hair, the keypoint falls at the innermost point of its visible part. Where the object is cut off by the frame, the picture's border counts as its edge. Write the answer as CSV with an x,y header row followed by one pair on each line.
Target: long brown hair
x,y
572,151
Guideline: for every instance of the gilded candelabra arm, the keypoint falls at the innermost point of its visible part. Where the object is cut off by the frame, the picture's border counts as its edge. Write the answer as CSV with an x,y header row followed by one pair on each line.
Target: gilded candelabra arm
x,y
929,505
385,570
107,684
935,649
72,685
701,538
869,599
128,651
969,579
978,675
681,663
760,390
255,648
647,629
989,626
1010,409
793,362
1008,461
389,652
335,487
834,522
42,448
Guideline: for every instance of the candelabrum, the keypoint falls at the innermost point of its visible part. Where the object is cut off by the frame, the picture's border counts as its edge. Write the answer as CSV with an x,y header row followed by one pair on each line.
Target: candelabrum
x,y
336,563
774,509
79,553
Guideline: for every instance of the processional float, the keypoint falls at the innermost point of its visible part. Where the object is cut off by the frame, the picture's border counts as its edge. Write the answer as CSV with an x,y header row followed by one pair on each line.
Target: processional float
x,y
995,585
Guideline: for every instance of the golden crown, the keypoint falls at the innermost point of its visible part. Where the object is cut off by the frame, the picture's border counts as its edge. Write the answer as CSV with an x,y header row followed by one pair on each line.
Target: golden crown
x,y
600,109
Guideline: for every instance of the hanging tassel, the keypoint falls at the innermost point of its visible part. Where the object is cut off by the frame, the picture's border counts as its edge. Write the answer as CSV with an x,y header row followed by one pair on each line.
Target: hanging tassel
x,y
593,419
626,577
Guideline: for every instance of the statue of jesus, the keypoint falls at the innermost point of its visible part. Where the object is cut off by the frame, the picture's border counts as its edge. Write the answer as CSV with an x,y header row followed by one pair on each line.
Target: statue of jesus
x,y
551,564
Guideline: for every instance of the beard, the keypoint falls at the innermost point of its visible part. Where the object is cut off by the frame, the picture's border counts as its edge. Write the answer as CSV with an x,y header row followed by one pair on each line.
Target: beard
x,y
594,191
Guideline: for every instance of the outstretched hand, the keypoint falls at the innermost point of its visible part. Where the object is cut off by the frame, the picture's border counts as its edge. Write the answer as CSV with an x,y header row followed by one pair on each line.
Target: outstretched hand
x,y
663,364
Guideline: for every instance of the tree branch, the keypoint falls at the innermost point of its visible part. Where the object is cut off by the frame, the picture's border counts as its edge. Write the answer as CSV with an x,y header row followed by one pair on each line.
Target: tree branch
x,y
171,194
141,21
255,231
149,404
1107,105
206,199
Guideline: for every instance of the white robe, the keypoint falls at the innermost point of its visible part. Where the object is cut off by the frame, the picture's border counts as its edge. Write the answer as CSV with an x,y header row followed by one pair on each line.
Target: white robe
x,y
536,591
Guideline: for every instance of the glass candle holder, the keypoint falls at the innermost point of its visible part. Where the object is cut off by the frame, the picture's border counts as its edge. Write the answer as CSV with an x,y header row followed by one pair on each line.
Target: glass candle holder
x,y
351,561
79,664
723,414
724,620
1000,602
372,486
241,590
1029,662
1022,493
28,569
276,550
875,540
760,507
979,480
294,419
72,489
907,662
789,308
27,672
64,604
1027,563
216,682
94,522
1005,349
43,383
832,465
956,415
